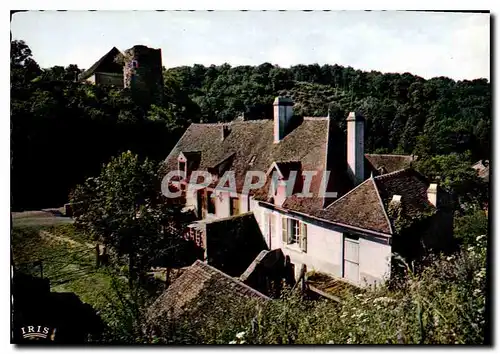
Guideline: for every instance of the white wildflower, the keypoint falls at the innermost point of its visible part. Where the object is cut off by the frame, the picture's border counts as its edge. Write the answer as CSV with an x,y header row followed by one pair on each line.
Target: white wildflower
x,y
330,342
232,342
242,342
480,237
449,258
471,248
240,335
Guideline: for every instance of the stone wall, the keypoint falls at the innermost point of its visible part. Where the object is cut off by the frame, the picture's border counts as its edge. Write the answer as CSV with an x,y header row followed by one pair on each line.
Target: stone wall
x,y
142,73
233,243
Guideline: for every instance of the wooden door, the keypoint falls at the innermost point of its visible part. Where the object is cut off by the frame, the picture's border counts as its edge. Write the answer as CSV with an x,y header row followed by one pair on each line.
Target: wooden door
x,y
351,259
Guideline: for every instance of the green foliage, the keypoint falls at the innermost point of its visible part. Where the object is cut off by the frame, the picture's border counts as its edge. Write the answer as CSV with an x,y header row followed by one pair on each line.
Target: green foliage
x,y
124,208
469,226
454,173
443,303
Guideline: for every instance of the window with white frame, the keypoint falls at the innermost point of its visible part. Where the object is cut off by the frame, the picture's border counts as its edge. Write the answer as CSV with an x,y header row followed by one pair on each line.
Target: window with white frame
x,y
294,231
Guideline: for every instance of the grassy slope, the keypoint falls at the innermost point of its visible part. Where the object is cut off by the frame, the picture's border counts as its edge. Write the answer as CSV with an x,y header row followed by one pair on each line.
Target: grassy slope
x,y
69,262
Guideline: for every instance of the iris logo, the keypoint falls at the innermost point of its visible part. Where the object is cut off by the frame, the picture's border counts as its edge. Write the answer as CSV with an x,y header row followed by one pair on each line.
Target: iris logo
x,y
37,332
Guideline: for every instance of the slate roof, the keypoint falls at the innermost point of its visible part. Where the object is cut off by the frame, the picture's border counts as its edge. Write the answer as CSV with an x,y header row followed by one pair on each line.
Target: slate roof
x,y
304,146
107,58
199,281
366,205
387,162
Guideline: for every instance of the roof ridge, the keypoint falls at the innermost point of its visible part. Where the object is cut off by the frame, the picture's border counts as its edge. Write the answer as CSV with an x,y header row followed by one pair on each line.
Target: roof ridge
x,y
315,118
220,124
392,174
383,206
345,195
398,155
237,281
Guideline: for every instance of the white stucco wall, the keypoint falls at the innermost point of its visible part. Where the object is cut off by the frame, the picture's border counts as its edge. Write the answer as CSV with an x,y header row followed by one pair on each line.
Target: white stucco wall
x,y
325,248
243,203
222,204
191,199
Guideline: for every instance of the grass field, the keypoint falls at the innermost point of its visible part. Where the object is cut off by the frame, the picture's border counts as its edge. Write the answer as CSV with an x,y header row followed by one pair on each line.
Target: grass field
x,y
68,260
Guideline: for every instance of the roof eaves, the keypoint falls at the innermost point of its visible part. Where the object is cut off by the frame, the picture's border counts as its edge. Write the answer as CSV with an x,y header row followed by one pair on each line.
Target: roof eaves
x,y
355,228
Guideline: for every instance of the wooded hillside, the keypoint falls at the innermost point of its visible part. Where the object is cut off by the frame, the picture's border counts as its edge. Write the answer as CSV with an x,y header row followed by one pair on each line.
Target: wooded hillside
x,y
63,131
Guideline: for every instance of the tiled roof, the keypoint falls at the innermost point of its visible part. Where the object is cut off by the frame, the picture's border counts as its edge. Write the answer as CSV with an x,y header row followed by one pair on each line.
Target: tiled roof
x,y
410,185
199,281
366,205
251,148
253,140
361,207
387,163
108,56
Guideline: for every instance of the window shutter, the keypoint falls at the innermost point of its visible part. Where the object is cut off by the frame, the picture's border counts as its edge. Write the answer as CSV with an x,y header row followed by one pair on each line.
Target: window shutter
x,y
303,237
284,231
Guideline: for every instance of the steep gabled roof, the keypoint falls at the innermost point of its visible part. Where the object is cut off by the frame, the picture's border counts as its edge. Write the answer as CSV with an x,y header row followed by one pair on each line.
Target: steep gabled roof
x,y
196,284
361,208
107,58
366,206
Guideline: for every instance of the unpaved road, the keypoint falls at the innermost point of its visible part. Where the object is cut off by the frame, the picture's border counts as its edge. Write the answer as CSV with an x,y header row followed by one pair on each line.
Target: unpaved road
x,y
45,217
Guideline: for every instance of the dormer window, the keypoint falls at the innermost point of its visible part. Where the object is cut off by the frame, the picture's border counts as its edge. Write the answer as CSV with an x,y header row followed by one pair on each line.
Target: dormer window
x,y
182,166
188,161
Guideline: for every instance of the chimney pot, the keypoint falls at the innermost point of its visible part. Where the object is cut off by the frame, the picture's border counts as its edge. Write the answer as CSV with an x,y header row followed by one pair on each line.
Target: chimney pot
x,y
432,193
396,198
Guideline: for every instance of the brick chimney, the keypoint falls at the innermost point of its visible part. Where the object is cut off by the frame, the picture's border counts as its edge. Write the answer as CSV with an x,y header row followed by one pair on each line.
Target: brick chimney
x,y
432,193
356,147
283,112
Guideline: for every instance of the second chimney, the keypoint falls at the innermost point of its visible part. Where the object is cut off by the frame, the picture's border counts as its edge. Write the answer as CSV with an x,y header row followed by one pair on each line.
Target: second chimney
x,y
432,193
225,131
283,112
356,147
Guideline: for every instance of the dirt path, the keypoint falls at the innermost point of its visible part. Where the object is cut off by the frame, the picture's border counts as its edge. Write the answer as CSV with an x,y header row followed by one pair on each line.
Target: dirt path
x,y
49,236
45,217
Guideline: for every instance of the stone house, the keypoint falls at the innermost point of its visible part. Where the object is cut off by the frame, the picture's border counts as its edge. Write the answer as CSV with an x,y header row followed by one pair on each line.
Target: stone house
x,y
360,209
138,68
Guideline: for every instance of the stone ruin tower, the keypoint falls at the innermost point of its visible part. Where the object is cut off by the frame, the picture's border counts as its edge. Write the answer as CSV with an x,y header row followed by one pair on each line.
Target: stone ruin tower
x,y
142,73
